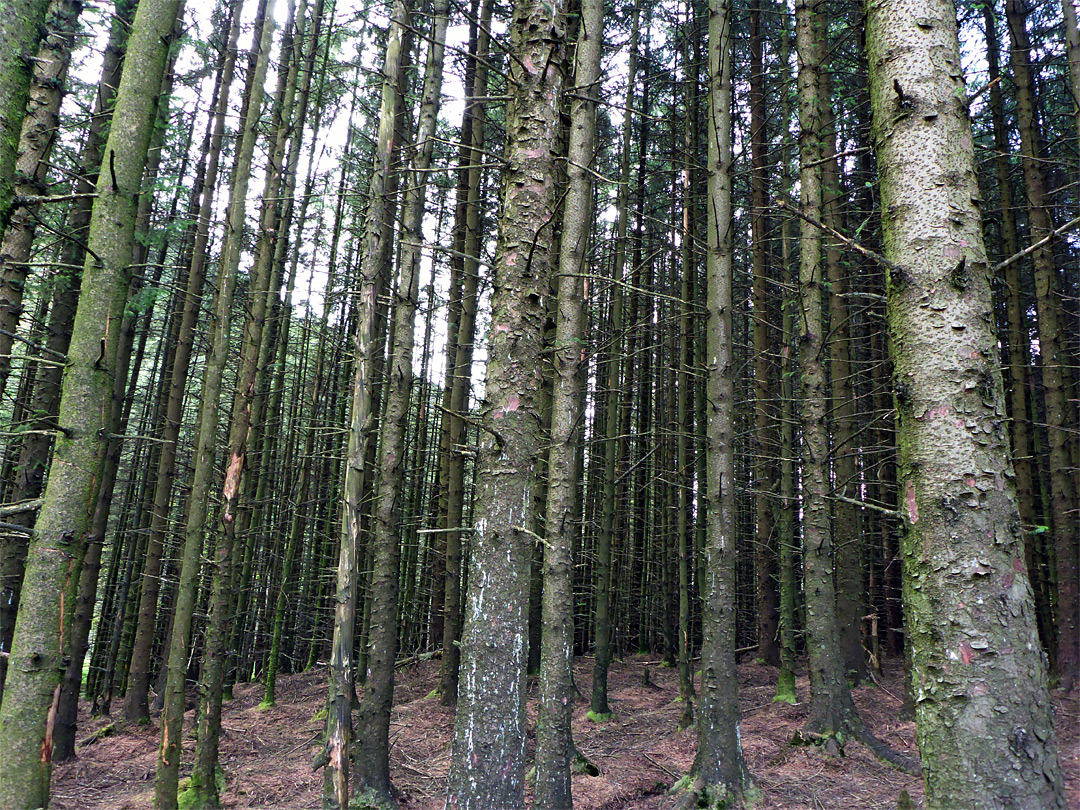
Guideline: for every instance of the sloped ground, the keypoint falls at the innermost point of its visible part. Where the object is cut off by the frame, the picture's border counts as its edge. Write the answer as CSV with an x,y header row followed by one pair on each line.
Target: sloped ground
x,y
267,754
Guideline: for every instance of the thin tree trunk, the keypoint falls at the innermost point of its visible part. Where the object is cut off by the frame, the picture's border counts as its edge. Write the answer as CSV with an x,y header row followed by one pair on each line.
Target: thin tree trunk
x,y
720,775
460,382
167,777
364,414
38,135
372,753
136,703
1059,411
554,743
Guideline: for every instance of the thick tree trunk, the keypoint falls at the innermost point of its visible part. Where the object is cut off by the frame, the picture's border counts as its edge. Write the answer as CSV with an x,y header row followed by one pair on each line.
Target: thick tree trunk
x,y
33,683
984,715
488,763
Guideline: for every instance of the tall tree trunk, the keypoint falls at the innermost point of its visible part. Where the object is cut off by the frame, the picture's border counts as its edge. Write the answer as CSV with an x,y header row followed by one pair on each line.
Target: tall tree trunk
x,y
34,452
223,532
614,400
984,716
487,767
721,778
1018,372
554,743
1059,411
167,777
38,135
764,377
372,753
460,382
34,678
364,414
136,703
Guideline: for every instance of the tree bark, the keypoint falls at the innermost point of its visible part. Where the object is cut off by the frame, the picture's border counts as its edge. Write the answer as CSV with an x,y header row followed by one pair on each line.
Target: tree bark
x,y
34,678
1052,355
720,775
554,742
487,768
984,715
167,777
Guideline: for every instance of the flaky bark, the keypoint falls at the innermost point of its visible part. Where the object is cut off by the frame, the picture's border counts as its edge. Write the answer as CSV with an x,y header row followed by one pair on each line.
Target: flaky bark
x,y
33,680
487,768
984,715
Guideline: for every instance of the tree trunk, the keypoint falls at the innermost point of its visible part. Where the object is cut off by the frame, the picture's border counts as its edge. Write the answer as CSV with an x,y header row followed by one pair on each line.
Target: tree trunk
x,y
38,135
372,752
764,376
460,382
1052,355
721,778
487,768
364,415
984,715
34,679
554,743
21,23
167,777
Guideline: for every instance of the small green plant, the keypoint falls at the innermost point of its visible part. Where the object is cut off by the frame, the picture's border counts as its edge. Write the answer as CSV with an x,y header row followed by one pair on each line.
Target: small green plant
x,y
594,717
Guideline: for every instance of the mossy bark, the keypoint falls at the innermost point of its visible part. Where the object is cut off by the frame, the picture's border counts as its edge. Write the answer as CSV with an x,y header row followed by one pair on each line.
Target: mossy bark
x,y
984,715
38,647
21,29
35,145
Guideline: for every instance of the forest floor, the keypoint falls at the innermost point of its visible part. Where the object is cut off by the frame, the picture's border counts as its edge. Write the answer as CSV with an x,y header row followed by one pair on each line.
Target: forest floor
x,y
266,755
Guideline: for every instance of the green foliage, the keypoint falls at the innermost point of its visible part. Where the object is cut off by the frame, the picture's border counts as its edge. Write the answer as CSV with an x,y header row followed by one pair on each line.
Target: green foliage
x,y
594,717
144,300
